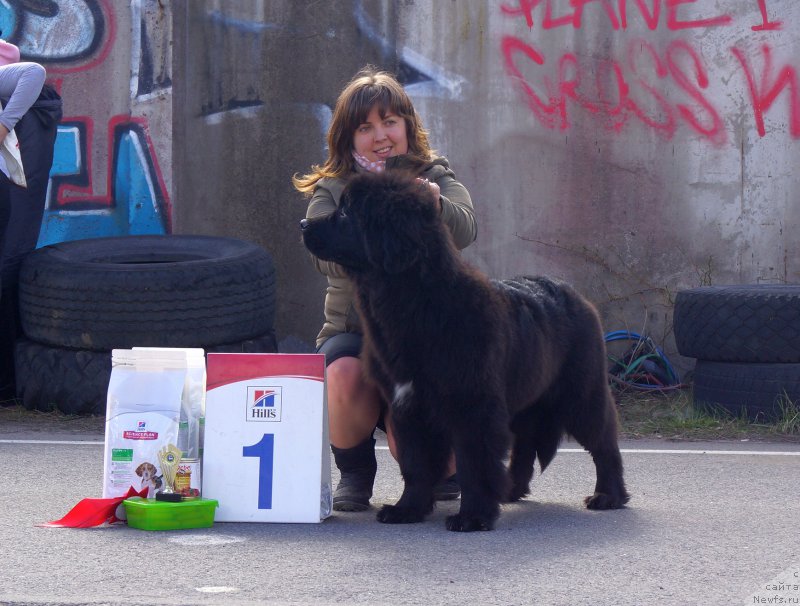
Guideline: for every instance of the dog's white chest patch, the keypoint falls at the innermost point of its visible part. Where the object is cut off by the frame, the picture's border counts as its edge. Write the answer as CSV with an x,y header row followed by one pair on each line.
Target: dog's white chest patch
x,y
402,393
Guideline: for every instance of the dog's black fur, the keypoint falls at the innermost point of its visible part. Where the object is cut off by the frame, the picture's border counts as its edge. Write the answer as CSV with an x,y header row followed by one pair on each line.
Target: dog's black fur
x,y
467,363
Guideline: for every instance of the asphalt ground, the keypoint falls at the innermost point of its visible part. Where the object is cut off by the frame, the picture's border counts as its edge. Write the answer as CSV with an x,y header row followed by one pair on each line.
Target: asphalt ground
x,y
708,523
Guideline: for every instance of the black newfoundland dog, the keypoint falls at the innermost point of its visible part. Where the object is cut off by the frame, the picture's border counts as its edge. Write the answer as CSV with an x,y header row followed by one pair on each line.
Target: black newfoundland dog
x,y
467,364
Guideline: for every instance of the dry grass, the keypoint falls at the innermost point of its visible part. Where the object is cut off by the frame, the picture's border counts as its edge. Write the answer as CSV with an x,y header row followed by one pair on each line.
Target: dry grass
x,y
672,415
15,419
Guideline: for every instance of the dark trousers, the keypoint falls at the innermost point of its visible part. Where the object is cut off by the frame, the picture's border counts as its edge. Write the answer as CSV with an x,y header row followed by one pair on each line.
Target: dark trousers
x,y
21,212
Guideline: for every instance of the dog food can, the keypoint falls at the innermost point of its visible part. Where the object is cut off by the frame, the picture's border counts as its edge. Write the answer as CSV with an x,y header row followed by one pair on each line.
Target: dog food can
x,y
187,478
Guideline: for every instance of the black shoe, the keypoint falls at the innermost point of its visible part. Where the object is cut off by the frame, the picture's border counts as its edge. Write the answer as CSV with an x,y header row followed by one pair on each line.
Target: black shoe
x,y
353,492
447,490
358,467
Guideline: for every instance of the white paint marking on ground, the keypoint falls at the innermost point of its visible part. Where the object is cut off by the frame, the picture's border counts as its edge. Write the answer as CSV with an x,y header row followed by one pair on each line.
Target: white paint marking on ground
x,y
206,540
216,589
709,451
681,451
675,451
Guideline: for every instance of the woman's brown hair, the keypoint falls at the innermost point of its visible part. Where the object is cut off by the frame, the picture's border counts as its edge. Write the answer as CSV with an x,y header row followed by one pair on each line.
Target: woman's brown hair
x,y
368,88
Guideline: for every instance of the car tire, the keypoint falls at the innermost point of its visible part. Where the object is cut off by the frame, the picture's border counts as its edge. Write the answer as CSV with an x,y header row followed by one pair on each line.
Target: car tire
x,y
75,381
746,323
147,291
758,391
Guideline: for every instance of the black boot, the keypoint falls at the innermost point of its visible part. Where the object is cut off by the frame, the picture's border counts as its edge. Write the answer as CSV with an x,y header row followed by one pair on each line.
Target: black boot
x,y
447,489
357,466
9,331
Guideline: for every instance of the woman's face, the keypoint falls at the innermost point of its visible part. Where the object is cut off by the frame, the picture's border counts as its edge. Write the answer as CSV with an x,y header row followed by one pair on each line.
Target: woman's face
x,y
380,138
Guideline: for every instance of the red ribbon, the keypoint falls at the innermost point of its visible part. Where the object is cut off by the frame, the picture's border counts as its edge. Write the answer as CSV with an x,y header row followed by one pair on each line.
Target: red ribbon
x,y
93,512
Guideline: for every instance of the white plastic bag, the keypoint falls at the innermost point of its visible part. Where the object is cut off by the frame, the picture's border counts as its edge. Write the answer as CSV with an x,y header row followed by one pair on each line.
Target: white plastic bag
x,y
10,152
193,400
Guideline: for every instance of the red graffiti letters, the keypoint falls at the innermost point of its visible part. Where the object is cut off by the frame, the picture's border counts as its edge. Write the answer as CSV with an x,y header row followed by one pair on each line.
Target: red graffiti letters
x,y
764,94
633,85
617,15
673,21
650,16
662,88
765,22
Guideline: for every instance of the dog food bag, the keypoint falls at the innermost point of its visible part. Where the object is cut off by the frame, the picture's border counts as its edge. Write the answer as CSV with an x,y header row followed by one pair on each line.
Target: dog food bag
x,y
143,412
193,409
193,401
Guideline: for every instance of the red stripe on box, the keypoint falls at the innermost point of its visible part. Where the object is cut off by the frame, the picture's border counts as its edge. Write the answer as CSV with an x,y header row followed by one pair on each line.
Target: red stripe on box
x,y
226,368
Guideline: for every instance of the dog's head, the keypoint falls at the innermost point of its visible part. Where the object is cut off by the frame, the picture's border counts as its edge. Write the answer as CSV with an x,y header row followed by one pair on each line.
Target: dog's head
x,y
146,471
384,223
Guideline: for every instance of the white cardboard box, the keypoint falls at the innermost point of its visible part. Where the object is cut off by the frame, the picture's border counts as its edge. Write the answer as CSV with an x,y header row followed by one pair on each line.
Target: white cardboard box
x,y
266,453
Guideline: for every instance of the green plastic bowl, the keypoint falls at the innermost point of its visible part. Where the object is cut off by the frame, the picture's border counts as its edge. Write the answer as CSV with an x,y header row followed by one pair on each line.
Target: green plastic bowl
x,y
149,514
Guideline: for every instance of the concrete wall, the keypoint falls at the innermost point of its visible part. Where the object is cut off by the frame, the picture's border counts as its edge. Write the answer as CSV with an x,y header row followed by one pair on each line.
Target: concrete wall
x,y
633,147
111,61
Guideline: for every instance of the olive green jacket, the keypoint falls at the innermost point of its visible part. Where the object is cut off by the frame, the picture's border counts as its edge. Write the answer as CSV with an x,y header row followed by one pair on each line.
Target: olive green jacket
x,y
457,214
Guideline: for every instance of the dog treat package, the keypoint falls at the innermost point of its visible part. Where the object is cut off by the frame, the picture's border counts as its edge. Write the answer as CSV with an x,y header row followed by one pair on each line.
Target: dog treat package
x,y
143,411
193,401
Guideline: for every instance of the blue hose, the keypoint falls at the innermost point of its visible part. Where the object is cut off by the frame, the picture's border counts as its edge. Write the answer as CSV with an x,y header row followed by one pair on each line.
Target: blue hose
x,y
650,352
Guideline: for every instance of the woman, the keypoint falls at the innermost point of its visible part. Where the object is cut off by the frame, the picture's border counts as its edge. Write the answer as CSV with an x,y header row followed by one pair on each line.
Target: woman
x,y
32,109
374,128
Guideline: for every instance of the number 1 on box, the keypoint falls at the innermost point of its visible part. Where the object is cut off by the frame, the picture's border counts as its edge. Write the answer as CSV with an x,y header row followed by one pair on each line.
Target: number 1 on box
x,y
264,451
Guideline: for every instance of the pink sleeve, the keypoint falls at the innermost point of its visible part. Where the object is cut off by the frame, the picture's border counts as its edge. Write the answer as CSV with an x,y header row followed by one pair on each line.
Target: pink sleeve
x,y
9,53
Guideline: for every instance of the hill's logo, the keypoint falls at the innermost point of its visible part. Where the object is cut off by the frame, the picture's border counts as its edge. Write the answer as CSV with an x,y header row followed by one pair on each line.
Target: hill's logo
x,y
264,404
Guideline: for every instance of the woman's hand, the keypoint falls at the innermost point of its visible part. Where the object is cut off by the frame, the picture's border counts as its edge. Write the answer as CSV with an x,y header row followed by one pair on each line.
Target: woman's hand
x,y
3,133
434,188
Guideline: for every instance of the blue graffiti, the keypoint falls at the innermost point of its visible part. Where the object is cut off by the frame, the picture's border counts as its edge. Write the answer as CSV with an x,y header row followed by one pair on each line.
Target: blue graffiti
x,y
137,203
67,153
8,20
53,31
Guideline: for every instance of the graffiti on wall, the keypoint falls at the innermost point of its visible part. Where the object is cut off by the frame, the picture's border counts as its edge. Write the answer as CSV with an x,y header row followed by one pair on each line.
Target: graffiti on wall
x,y
420,76
73,38
631,87
240,95
151,50
55,31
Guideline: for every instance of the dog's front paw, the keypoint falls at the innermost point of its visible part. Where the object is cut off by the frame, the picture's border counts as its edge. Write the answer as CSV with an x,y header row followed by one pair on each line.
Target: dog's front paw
x,y
392,514
468,523
601,500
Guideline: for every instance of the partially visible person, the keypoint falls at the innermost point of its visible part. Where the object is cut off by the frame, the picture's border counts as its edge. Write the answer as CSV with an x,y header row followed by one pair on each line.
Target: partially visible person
x,y
374,128
32,110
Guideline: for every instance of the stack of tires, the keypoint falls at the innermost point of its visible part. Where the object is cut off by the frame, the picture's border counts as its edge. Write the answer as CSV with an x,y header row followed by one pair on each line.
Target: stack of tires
x,y
79,300
746,340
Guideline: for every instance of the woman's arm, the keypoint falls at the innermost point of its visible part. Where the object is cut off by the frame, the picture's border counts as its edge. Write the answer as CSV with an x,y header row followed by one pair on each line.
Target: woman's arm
x,y
457,211
321,205
21,84
454,201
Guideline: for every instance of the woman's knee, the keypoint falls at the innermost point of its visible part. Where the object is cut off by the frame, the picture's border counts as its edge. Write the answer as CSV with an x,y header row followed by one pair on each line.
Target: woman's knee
x,y
345,378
